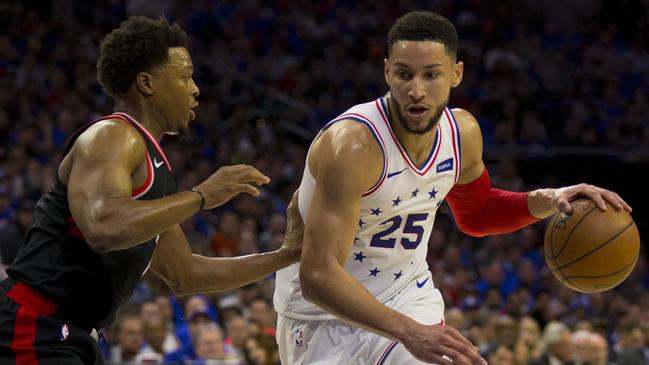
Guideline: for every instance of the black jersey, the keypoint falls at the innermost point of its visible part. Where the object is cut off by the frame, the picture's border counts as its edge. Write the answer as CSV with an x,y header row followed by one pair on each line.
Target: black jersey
x,y
87,286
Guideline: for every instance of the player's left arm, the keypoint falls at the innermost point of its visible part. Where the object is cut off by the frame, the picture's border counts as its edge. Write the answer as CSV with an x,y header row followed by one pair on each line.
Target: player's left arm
x,y
481,210
186,273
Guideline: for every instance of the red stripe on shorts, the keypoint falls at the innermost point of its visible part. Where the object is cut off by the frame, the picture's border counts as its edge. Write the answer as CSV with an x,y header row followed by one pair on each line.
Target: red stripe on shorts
x,y
32,304
24,336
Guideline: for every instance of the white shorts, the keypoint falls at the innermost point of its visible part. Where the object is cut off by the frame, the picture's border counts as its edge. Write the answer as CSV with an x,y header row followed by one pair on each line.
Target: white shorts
x,y
335,342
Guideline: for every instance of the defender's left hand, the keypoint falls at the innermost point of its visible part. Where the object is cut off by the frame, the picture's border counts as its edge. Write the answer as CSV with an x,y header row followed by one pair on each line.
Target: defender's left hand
x,y
562,197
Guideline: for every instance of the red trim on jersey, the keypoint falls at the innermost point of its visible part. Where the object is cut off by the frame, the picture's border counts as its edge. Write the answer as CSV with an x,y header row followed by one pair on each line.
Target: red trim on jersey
x,y
149,180
403,153
146,132
136,193
454,137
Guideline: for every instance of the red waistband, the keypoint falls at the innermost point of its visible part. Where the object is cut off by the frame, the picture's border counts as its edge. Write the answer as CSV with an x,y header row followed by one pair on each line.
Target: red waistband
x,y
29,298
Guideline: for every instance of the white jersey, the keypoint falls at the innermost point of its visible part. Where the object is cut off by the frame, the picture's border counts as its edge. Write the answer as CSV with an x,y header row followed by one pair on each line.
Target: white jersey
x,y
396,217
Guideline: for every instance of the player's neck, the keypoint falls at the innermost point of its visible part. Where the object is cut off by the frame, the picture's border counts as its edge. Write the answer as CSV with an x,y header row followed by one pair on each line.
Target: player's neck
x,y
142,115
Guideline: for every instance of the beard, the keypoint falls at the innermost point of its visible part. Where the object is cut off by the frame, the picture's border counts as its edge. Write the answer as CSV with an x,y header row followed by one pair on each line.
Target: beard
x,y
432,122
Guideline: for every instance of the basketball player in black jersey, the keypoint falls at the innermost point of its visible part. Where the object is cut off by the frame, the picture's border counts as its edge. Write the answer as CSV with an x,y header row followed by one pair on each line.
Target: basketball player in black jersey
x,y
114,209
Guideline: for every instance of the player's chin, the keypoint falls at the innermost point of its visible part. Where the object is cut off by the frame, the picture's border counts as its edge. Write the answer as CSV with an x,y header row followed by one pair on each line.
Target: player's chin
x,y
418,124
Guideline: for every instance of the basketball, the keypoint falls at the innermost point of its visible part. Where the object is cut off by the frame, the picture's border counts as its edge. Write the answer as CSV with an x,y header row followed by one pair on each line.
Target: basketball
x,y
589,250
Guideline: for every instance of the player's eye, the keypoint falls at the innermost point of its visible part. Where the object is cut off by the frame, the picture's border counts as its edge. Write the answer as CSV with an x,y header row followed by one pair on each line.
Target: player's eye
x,y
403,75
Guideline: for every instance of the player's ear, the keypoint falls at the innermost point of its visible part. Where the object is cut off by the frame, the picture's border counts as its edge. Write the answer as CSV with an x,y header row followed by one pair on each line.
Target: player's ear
x,y
144,83
458,72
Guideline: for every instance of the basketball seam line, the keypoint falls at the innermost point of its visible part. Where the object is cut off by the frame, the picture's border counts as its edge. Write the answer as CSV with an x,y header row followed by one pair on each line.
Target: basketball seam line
x,y
565,243
552,223
556,263
603,276
579,287
595,249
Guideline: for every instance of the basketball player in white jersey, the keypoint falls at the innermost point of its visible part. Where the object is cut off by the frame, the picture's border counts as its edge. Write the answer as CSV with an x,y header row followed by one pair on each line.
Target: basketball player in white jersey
x,y
374,179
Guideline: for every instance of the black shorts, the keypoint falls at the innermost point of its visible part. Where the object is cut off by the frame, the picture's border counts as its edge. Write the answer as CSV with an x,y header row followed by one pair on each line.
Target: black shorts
x,y
30,336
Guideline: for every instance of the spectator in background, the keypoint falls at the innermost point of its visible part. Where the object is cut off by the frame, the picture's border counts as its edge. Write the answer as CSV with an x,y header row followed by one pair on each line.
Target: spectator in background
x,y
155,332
150,311
582,347
208,343
12,232
631,347
276,226
225,242
171,342
195,306
130,338
506,331
454,317
599,348
262,349
502,355
556,345
238,330
187,352
262,313
528,345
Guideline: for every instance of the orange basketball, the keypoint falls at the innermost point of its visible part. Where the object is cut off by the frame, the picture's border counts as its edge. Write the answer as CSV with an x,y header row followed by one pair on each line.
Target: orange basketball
x,y
589,250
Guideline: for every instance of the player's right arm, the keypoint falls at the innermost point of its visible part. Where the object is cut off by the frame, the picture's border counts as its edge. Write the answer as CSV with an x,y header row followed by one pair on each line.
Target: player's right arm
x,y
346,161
102,161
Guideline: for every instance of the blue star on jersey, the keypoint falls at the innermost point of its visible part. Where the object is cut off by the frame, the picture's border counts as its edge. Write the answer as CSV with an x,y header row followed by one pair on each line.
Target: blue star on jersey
x,y
375,271
376,211
397,274
395,202
432,194
414,193
359,256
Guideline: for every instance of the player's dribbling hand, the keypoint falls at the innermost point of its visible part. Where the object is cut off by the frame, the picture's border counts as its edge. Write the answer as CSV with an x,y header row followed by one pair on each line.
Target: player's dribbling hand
x,y
442,345
562,197
229,181
294,230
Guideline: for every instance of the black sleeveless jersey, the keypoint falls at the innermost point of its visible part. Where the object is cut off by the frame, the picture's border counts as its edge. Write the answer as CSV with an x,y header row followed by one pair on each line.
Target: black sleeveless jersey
x,y
88,287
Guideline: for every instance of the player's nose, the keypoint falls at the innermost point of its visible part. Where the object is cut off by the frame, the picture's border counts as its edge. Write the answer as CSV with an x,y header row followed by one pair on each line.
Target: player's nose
x,y
416,92
195,90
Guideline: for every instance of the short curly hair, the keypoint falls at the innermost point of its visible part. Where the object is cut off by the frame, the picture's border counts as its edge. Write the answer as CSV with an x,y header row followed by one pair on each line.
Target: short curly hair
x,y
139,44
424,26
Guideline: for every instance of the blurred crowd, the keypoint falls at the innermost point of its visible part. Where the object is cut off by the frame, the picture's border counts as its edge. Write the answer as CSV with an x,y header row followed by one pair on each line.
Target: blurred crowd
x,y
572,73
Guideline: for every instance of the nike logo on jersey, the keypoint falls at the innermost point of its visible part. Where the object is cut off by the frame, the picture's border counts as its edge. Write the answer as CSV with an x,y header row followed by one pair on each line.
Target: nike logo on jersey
x,y
395,173
421,285
156,163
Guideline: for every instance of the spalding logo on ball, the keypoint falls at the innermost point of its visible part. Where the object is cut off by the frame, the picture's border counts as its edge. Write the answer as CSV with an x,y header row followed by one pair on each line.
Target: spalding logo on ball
x,y
591,251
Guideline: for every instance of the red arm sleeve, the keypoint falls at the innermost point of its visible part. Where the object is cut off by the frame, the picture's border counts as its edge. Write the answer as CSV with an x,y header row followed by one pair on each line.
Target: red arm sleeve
x,y
481,210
